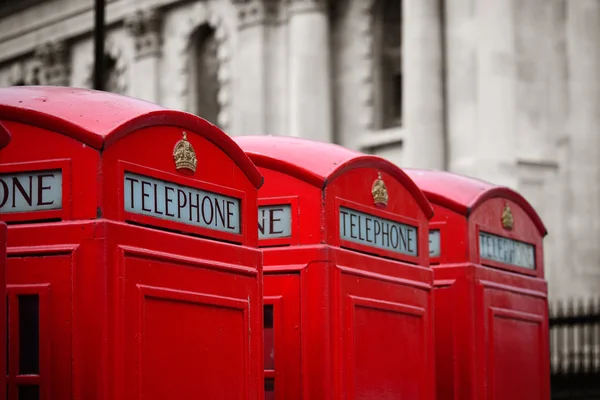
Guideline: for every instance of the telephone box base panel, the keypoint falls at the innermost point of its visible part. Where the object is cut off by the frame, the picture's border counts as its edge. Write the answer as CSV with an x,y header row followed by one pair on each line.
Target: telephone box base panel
x,y
358,334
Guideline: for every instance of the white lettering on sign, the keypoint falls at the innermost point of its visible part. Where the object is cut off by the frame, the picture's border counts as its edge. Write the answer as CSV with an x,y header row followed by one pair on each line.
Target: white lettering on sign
x,y
275,221
31,191
377,232
434,243
186,205
507,251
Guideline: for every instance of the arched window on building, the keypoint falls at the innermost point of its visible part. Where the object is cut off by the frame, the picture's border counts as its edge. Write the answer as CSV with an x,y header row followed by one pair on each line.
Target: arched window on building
x,y
110,74
204,70
388,63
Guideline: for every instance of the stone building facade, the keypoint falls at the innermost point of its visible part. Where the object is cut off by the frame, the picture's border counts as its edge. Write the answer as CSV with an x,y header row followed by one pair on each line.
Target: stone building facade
x,y
504,90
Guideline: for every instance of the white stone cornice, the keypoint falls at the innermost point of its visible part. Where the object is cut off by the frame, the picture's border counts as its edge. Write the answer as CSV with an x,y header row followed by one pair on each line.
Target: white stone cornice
x,y
54,63
257,12
65,25
145,26
303,6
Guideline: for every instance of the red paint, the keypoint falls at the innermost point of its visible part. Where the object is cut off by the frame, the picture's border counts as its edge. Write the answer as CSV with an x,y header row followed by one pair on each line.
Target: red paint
x,y
491,317
347,324
5,138
131,306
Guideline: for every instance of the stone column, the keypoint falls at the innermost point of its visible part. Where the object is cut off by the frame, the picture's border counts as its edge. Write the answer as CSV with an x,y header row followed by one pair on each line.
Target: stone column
x,y
583,55
256,19
481,89
310,98
54,65
145,26
423,98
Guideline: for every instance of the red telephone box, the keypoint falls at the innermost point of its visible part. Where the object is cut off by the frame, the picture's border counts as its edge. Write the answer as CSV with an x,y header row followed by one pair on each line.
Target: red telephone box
x,y
347,288
4,140
133,239
491,297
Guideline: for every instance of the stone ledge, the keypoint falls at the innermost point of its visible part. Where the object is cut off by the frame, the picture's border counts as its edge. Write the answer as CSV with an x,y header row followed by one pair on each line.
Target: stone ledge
x,y
374,140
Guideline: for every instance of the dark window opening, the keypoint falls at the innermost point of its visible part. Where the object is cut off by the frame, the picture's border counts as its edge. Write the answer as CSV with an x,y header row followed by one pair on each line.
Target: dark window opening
x,y
111,74
29,392
389,61
204,74
29,334
269,338
269,389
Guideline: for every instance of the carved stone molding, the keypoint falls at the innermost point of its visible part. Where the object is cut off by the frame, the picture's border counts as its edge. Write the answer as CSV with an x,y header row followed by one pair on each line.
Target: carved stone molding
x,y
116,69
53,58
199,15
257,12
302,6
145,26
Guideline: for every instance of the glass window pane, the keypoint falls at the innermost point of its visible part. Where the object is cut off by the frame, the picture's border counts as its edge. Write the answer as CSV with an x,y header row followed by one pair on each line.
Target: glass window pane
x,y
269,339
29,334
29,392
269,389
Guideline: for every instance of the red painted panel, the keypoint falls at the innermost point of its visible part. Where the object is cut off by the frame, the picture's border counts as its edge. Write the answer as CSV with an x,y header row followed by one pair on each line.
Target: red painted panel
x,y
387,339
517,330
198,308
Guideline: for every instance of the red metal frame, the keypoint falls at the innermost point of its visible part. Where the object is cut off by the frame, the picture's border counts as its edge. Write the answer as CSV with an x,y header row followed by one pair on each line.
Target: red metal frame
x,y
184,181
64,212
130,298
491,318
343,288
292,201
5,138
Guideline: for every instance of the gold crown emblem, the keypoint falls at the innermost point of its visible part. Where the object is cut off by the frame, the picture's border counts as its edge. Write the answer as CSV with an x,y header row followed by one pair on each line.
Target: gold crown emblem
x,y
184,155
507,218
379,192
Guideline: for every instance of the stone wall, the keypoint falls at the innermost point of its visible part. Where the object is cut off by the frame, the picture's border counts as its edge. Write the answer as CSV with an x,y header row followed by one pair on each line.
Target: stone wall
x,y
507,91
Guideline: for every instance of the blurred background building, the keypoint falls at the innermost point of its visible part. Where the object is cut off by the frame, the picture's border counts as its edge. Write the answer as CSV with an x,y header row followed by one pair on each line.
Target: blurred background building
x,y
504,90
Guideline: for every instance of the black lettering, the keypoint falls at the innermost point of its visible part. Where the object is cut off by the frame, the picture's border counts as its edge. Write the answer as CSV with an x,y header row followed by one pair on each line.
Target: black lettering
x,y
229,214
377,230
410,240
181,201
368,228
144,195
360,229
394,234
403,237
168,200
352,225
41,189
132,197
261,221
210,208
344,213
5,193
272,220
194,206
156,200
220,212
16,184
385,234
